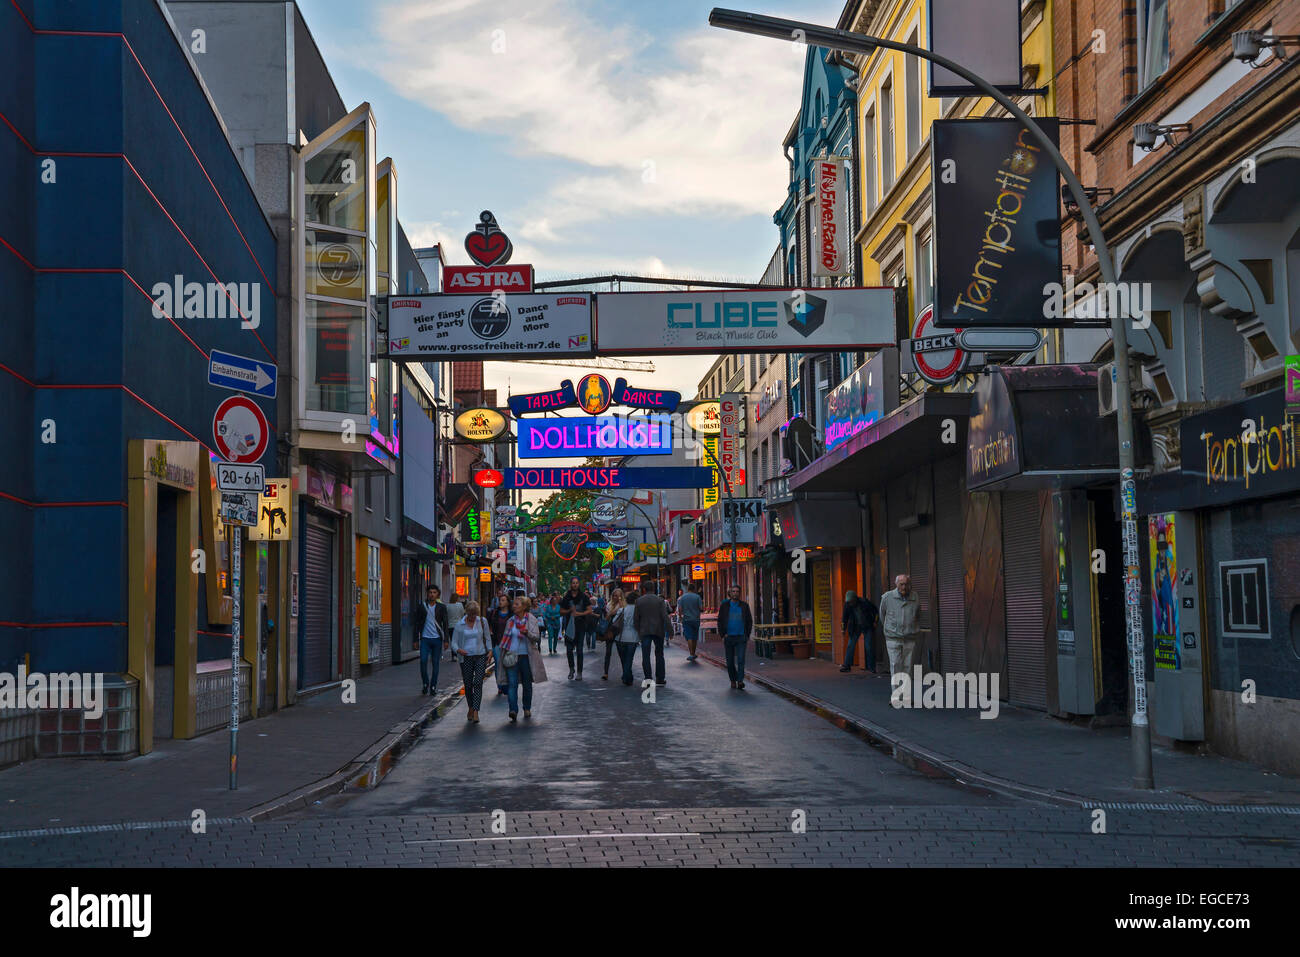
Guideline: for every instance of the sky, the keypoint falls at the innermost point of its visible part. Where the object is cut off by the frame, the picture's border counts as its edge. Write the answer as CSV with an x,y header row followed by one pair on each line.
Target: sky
x,y
625,137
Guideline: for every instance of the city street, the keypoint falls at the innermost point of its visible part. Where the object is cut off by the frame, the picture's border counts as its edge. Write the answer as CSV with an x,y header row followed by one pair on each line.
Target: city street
x,y
703,776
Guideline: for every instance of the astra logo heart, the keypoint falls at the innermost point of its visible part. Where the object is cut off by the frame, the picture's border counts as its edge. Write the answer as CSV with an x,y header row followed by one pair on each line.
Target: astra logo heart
x,y
488,245
805,313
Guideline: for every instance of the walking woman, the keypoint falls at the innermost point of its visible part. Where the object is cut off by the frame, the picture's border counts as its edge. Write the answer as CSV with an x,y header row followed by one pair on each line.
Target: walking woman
x,y
470,639
616,603
626,638
551,615
498,621
516,655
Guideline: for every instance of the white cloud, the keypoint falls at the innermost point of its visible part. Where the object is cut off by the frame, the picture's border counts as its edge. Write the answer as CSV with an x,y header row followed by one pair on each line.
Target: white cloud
x,y
693,129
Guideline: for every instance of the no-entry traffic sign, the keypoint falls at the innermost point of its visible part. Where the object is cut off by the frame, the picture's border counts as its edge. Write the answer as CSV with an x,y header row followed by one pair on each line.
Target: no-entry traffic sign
x,y
239,430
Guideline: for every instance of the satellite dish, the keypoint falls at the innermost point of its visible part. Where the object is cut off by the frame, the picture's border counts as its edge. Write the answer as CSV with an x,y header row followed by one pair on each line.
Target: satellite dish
x,y
799,443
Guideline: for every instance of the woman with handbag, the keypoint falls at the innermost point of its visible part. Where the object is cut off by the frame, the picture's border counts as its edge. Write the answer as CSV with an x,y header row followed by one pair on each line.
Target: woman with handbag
x,y
471,640
626,638
608,633
515,645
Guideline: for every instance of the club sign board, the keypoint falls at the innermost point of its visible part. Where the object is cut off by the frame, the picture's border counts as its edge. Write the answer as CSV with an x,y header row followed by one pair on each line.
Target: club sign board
x,y
497,326
604,478
745,320
582,436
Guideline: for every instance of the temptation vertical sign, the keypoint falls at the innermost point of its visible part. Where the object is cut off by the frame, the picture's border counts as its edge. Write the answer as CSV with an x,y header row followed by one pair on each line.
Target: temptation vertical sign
x,y
996,223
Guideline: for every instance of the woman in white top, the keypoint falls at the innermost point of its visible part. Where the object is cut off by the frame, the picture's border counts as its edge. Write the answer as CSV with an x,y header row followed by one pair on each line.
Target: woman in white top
x,y
471,640
626,639
517,640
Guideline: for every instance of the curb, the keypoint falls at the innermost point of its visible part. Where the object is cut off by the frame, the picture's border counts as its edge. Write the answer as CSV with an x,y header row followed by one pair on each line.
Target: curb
x,y
366,770
918,758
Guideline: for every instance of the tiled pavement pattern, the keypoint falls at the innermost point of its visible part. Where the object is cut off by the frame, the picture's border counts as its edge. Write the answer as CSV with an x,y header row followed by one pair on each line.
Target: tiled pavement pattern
x,y
731,837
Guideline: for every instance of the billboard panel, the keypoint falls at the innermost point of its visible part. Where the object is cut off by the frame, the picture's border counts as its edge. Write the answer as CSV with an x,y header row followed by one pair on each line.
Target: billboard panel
x,y
997,224
981,35
745,320
500,326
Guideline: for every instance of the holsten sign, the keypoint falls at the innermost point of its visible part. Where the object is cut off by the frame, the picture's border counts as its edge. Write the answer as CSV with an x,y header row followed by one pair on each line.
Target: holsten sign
x,y
595,435
748,320
501,325
601,478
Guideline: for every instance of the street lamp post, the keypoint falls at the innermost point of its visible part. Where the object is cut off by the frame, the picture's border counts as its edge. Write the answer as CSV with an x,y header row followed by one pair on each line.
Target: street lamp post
x,y
815,35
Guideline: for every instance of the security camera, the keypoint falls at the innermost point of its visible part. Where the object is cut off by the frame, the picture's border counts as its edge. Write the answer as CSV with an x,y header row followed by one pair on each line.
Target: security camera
x,y
1247,45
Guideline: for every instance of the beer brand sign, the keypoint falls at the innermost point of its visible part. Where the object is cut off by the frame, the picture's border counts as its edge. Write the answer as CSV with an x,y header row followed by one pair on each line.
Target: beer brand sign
x,y
832,218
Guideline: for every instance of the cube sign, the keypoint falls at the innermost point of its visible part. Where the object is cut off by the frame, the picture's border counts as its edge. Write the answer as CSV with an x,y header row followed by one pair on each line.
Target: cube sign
x,y
730,457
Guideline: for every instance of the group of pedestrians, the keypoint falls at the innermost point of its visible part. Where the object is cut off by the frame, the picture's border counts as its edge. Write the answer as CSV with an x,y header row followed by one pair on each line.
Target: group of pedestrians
x,y
897,617
509,633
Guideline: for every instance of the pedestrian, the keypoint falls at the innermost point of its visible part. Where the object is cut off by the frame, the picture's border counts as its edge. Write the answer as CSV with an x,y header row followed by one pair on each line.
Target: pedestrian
x,y
471,640
616,604
689,607
553,620
650,619
498,621
622,626
432,626
578,614
859,620
735,622
515,644
455,612
898,620
600,616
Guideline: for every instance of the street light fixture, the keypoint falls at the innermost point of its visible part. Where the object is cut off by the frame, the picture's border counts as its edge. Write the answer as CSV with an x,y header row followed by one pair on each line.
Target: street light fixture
x,y
812,34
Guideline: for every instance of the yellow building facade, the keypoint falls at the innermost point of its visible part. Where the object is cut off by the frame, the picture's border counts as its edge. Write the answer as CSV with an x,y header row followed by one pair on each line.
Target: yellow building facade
x,y
896,240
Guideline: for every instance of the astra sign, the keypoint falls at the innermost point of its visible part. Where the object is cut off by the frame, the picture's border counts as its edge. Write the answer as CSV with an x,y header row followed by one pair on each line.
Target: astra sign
x,y
606,478
595,435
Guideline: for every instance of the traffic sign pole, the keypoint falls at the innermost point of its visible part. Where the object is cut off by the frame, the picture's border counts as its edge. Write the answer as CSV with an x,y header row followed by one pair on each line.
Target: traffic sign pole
x,y
236,535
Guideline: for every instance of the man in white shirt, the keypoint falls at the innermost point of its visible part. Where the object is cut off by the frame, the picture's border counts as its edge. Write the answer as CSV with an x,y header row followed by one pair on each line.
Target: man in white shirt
x,y
898,619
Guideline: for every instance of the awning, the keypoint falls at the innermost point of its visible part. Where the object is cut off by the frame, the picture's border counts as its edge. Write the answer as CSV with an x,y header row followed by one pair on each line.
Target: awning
x,y
827,522
1038,426
909,437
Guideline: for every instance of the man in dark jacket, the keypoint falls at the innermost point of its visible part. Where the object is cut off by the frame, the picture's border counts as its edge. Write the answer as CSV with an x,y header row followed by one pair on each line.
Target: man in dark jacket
x,y
859,620
432,629
735,622
650,619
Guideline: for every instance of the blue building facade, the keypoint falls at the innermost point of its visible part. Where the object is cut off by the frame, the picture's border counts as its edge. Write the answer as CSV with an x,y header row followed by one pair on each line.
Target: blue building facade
x,y
826,125
128,192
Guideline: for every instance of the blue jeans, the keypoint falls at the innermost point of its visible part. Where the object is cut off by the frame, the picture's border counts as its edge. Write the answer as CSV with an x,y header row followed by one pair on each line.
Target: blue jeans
x,y
734,645
521,673
430,648
869,649
552,636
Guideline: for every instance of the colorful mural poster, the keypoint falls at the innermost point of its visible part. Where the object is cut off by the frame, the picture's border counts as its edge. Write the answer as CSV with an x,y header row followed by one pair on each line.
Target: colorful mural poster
x,y
1164,591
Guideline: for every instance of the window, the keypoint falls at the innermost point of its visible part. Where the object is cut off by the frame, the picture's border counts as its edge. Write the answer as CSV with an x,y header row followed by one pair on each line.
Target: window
x,y
924,269
912,94
765,472
1153,39
336,358
887,136
1244,590
823,371
869,160
375,582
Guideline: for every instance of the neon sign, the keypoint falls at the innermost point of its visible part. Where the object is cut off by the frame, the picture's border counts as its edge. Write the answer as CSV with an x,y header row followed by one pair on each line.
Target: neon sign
x,y
606,478
579,437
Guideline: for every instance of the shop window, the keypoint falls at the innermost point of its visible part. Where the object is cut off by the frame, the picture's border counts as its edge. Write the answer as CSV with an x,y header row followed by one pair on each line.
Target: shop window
x,y
336,377
1243,586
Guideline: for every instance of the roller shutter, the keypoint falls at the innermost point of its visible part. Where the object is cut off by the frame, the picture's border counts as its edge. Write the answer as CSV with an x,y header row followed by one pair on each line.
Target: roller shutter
x,y
1022,575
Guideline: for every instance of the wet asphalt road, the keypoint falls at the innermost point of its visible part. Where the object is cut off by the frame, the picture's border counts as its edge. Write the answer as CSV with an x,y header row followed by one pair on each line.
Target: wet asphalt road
x,y
598,744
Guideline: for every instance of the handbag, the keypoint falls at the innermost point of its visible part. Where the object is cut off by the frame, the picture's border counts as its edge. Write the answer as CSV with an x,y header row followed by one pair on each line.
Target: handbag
x,y
510,658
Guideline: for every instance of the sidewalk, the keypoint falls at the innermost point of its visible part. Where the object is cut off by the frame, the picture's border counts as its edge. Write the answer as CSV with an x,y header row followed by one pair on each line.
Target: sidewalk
x,y
1022,752
287,759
